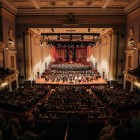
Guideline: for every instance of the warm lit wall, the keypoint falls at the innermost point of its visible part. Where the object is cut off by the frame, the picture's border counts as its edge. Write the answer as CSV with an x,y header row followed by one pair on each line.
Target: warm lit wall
x,y
8,21
133,20
108,59
20,54
1,58
101,55
36,56
42,55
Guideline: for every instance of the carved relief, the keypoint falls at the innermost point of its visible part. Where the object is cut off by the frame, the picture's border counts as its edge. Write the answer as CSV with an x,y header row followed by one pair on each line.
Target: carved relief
x,y
70,19
131,44
11,43
88,2
2,45
71,2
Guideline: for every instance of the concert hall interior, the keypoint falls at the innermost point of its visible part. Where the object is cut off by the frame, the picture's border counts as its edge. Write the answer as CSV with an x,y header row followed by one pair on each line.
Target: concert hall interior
x,y
69,69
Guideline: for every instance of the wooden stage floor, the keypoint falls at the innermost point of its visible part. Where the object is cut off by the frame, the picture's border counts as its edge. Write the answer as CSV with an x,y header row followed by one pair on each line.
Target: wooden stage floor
x,y
100,81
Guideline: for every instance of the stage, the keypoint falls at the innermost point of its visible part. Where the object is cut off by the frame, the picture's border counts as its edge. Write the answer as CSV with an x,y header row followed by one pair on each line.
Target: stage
x,y
42,81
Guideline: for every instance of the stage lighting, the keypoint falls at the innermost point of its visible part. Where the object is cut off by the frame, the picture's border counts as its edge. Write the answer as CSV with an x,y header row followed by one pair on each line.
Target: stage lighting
x,y
82,37
70,37
58,37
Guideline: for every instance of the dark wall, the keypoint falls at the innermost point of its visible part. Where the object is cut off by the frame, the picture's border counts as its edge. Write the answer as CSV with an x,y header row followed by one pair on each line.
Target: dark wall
x,y
1,30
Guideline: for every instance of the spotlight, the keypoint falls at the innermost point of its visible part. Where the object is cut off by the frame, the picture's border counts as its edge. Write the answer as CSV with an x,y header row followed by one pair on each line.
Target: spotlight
x,y
70,37
58,37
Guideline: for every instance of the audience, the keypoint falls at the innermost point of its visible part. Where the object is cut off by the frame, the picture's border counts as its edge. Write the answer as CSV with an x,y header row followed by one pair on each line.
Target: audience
x,y
106,131
23,98
2,124
71,103
5,72
120,99
135,126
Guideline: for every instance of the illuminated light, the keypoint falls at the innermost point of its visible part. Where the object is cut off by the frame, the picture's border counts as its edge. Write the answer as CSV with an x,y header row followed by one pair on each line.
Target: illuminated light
x,y
137,84
3,84
58,37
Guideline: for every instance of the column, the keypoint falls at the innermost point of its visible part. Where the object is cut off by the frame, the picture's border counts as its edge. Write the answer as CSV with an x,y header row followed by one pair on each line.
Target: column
x,y
32,53
42,59
10,87
1,27
113,55
27,54
17,82
131,86
124,81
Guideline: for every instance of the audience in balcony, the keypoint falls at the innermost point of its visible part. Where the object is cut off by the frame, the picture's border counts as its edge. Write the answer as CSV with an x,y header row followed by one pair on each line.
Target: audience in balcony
x,y
5,72
135,72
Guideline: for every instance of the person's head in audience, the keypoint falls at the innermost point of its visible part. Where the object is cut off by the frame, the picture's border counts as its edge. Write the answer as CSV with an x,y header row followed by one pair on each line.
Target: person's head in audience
x,y
8,133
15,123
113,121
2,122
29,136
120,133
30,120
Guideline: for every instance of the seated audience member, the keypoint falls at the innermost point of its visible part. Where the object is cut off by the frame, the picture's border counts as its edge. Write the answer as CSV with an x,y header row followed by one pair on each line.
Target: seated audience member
x,y
29,136
31,125
135,123
9,133
2,124
106,131
119,133
16,124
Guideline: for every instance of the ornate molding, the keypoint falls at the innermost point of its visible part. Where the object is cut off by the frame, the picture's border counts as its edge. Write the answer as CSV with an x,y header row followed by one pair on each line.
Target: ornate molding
x,y
27,32
132,78
42,7
138,45
2,45
9,79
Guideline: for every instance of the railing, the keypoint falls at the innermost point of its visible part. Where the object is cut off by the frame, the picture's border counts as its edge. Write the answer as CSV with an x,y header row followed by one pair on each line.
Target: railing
x,y
66,134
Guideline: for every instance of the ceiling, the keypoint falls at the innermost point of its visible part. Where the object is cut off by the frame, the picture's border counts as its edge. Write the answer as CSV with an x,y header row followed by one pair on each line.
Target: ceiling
x,y
76,7
21,7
